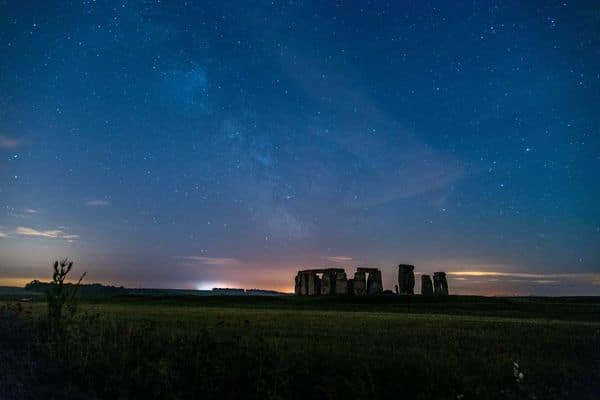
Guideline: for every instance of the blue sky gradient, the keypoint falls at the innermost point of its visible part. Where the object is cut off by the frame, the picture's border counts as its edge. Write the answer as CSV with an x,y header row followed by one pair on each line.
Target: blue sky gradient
x,y
179,144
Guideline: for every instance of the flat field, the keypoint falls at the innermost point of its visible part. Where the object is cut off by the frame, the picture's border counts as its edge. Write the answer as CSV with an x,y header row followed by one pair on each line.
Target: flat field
x,y
334,348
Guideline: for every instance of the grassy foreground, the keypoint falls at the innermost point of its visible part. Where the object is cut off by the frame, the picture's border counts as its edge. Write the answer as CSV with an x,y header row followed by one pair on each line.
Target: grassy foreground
x,y
330,349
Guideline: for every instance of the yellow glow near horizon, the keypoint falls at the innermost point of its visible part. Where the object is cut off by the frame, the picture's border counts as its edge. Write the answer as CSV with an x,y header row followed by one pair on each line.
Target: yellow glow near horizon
x,y
15,282
586,275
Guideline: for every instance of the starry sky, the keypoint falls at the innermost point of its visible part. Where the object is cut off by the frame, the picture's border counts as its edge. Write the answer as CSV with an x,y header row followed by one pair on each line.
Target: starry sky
x,y
199,144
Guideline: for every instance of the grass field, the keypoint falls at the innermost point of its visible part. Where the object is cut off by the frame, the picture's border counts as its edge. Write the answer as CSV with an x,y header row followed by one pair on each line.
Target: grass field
x,y
370,348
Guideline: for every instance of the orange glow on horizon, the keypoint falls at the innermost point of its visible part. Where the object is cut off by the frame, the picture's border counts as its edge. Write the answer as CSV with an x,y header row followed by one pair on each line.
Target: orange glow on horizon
x,y
14,282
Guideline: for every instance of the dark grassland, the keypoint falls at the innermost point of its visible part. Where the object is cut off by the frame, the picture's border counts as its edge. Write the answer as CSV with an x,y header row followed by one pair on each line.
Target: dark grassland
x,y
310,348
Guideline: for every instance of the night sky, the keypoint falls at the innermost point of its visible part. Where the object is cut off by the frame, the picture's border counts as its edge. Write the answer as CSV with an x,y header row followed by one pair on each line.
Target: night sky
x,y
191,145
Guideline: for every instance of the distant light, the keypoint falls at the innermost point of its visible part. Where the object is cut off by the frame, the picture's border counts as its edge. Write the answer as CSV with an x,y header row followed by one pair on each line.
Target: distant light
x,y
209,285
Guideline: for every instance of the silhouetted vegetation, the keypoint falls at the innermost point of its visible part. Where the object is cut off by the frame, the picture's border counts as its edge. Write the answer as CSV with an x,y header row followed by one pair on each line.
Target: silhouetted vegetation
x,y
62,299
85,291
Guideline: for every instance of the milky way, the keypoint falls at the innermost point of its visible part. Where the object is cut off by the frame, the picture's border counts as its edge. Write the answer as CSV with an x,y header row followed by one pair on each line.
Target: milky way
x,y
179,144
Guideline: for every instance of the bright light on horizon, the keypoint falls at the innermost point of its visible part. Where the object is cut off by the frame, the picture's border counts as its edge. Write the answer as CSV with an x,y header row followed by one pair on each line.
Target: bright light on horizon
x,y
209,285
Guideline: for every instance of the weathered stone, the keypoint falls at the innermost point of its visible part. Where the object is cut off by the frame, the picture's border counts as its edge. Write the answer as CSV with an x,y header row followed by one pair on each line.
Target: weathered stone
x,y
374,283
327,283
308,283
303,284
359,285
406,279
312,284
297,284
440,284
335,281
341,283
426,285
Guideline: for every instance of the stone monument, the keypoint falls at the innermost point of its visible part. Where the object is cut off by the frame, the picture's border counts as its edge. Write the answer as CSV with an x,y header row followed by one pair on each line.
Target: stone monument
x,y
406,278
440,284
426,285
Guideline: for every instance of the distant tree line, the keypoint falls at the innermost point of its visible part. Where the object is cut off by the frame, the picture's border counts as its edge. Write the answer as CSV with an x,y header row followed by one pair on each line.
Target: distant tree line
x,y
85,290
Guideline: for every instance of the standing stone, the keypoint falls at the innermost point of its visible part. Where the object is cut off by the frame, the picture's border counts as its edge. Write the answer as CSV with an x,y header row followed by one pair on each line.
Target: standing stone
x,y
445,284
341,283
440,284
327,283
312,284
406,278
359,284
426,285
374,283
303,284
297,284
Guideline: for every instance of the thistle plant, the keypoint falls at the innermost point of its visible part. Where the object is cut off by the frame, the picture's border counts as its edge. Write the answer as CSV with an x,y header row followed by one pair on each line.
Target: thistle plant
x,y
62,298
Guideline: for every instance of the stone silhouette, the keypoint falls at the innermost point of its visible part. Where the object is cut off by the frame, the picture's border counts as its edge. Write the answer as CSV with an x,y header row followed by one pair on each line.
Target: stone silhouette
x,y
335,281
440,284
313,284
426,285
303,284
327,282
366,281
374,283
308,283
341,283
406,278
359,287
297,280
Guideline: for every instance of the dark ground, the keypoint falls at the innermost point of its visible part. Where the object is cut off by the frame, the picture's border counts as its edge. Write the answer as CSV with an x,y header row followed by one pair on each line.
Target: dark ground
x,y
291,347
